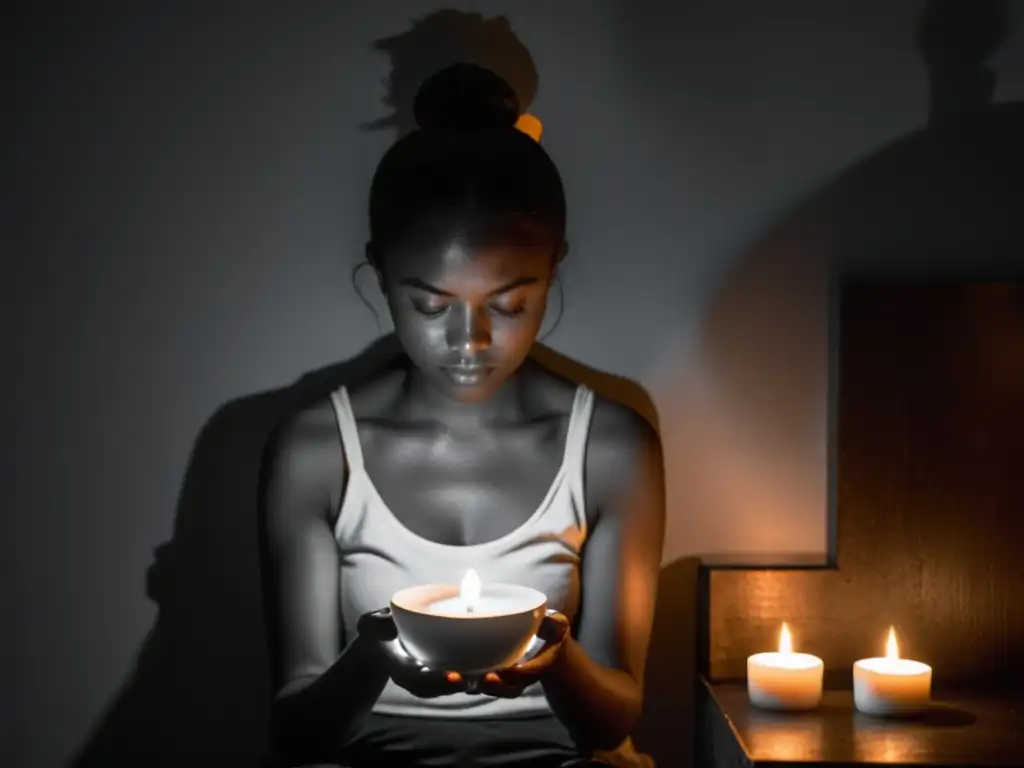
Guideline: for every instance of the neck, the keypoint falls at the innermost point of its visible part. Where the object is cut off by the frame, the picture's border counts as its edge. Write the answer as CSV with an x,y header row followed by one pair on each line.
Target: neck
x,y
421,401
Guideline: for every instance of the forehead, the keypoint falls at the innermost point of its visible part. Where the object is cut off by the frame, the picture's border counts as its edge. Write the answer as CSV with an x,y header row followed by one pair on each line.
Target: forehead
x,y
457,262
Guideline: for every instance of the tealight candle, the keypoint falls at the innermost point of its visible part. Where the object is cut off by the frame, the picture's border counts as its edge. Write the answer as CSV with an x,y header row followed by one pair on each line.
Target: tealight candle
x,y
785,680
891,686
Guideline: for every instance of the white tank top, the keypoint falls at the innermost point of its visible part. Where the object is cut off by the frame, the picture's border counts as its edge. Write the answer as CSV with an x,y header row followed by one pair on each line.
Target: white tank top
x,y
379,555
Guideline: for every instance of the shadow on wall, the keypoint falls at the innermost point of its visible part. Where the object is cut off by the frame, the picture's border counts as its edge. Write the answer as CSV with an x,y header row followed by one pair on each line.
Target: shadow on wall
x,y
449,37
202,685
941,203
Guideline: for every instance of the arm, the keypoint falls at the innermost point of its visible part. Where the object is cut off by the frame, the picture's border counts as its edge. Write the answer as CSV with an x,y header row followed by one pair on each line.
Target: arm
x,y
595,686
326,692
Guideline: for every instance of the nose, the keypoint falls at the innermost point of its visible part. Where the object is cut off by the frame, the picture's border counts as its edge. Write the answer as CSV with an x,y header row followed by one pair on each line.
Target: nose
x,y
470,332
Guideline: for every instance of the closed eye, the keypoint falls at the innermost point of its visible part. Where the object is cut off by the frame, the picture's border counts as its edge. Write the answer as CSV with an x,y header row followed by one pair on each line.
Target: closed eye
x,y
429,311
510,311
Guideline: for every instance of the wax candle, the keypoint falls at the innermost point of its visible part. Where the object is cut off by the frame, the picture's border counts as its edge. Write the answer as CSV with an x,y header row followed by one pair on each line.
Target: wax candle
x,y
891,686
784,680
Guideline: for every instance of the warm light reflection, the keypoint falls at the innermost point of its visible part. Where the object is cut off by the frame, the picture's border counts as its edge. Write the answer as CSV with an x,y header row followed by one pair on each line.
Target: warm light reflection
x,y
791,740
785,640
892,650
469,591
887,745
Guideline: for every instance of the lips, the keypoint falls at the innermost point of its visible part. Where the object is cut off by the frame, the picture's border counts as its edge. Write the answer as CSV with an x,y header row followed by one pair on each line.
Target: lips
x,y
467,375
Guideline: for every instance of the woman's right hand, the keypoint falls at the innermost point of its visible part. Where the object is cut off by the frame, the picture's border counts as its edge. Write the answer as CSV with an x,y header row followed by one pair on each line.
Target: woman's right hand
x,y
404,670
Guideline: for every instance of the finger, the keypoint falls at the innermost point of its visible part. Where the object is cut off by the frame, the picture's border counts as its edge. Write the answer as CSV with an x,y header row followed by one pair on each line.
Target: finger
x,y
427,684
385,629
553,627
419,690
410,674
436,678
521,675
378,624
499,687
532,667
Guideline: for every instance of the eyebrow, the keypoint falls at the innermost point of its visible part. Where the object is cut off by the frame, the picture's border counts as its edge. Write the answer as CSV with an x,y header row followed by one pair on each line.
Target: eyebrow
x,y
517,283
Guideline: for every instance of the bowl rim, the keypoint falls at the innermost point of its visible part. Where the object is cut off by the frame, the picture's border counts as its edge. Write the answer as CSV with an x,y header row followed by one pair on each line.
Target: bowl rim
x,y
412,599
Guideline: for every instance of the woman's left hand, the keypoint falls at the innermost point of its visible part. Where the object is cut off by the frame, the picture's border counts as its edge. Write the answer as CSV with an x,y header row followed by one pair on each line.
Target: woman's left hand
x,y
510,682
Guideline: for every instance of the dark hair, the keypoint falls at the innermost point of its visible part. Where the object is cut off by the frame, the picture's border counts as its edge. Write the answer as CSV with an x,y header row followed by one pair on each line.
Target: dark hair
x,y
467,163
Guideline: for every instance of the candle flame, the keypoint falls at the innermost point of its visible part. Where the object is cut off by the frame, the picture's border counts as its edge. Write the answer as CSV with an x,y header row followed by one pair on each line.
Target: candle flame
x,y
470,589
785,640
892,649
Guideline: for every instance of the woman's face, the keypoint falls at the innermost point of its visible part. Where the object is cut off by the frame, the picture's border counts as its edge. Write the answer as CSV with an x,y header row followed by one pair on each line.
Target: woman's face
x,y
467,317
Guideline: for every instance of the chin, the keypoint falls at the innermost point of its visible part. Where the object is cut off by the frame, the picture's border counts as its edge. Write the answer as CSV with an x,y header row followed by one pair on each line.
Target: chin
x,y
476,392
468,395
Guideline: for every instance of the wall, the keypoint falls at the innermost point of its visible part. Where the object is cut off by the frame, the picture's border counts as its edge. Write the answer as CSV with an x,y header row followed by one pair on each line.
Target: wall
x,y
190,200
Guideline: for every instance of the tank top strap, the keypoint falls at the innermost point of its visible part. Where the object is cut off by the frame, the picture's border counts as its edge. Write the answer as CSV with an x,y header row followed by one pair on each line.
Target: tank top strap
x,y
349,432
579,429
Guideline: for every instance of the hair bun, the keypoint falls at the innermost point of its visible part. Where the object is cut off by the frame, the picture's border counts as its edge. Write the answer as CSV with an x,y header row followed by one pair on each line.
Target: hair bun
x,y
465,97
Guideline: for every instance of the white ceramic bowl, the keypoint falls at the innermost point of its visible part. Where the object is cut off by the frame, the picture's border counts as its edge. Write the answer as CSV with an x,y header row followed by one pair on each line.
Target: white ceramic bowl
x,y
493,636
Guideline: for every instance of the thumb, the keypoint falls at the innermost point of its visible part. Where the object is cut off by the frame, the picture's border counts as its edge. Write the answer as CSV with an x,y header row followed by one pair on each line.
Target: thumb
x,y
554,627
378,624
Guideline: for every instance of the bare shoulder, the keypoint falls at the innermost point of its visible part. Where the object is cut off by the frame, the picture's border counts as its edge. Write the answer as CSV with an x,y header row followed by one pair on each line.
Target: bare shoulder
x,y
623,448
305,434
617,426
304,463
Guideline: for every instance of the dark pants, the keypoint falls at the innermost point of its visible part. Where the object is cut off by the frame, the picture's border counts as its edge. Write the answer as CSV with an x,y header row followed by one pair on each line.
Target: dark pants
x,y
419,742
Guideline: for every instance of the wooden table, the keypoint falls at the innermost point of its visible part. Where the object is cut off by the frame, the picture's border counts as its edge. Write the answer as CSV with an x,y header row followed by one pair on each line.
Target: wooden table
x,y
969,730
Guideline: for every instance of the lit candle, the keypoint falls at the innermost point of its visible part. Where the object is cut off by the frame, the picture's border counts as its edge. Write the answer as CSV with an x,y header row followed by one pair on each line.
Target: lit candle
x,y
785,680
468,628
891,686
472,599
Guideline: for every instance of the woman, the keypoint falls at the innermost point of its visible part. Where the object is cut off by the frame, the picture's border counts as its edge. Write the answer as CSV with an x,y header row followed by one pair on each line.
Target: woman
x,y
466,455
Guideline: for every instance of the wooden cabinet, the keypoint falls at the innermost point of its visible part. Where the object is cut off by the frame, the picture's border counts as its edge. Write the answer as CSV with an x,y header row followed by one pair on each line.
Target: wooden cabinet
x,y
928,522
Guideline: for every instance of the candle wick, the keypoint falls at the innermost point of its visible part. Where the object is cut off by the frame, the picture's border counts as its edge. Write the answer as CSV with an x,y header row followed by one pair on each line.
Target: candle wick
x,y
469,609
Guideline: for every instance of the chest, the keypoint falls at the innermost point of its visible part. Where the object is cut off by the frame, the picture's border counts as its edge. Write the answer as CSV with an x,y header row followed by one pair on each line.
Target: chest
x,y
465,490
